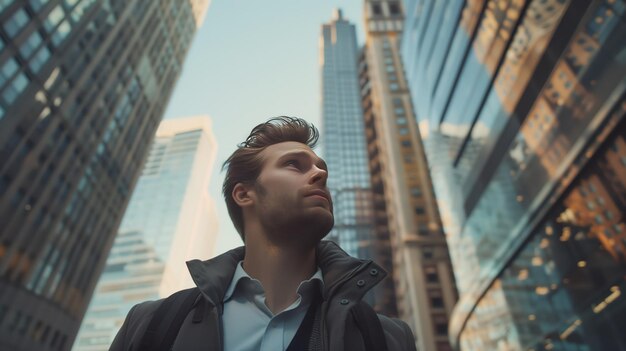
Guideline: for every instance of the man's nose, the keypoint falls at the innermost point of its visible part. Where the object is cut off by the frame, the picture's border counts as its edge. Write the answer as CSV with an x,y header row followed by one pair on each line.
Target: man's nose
x,y
319,176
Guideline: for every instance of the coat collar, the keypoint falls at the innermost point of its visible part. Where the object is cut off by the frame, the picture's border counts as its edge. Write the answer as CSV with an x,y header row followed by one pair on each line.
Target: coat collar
x,y
214,276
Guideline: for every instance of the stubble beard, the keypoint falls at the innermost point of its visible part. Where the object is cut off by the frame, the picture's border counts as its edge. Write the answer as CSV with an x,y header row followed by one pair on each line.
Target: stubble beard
x,y
292,225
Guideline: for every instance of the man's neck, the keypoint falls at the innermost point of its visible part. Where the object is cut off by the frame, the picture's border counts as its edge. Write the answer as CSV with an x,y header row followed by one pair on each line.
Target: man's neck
x,y
279,269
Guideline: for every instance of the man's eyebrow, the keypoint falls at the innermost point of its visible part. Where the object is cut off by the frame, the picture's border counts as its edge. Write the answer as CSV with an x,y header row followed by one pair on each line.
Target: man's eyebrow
x,y
319,162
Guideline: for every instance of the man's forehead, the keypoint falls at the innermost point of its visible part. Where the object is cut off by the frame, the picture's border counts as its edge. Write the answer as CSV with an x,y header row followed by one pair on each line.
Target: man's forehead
x,y
275,152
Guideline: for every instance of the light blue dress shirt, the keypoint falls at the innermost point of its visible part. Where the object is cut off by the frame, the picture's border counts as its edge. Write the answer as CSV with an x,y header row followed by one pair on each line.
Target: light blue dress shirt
x,y
247,322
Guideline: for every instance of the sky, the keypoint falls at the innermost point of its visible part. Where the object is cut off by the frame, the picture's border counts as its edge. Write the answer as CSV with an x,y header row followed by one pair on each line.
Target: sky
x,y
252,60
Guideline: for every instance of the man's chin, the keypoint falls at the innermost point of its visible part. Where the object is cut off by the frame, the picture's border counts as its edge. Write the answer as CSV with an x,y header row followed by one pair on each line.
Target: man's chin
x,y
317,227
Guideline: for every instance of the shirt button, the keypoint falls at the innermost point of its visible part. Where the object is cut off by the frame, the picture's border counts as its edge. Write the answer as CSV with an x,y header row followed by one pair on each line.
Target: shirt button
x,y
360,283
374,272
344,301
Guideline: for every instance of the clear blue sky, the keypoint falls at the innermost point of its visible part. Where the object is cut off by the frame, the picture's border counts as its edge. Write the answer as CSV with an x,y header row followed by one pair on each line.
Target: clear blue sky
x,y
252,60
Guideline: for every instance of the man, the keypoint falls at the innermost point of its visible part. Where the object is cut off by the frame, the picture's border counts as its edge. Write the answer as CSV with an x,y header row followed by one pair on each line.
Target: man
x,y
286,289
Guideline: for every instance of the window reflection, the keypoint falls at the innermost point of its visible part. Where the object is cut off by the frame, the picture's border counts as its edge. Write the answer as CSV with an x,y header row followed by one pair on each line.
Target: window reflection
x,y
553,133
565,289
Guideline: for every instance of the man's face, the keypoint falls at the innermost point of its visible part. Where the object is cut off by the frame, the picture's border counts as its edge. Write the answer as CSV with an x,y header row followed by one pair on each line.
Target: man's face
x,y
292,199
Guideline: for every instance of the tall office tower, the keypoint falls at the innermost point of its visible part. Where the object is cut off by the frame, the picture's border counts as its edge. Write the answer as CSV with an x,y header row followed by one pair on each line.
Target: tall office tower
x,y
405,205
169,220
83,85
343,138
345,152
522,106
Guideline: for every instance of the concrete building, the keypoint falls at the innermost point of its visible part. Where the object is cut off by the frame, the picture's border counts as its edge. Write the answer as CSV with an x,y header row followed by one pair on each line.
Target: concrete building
x,y
170,219
405,204
83,86
521,105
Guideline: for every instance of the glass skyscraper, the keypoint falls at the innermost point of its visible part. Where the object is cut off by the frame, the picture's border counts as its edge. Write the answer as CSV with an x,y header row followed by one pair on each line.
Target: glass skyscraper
x,y
83,86
343,138
170,219
522,108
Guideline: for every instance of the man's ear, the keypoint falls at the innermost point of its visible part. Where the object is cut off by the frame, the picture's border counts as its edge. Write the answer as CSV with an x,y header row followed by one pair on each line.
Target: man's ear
x,y
243,195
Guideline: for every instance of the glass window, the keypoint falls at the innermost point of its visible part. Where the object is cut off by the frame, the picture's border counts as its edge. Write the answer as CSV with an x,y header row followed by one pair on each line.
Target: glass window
x,y
16,22
416,191
394,8
8,69
38,4
54,18
441,328
30,45
436,302
376,9
427,253
4,4
61,33
15,88
431,274
39,59
80,10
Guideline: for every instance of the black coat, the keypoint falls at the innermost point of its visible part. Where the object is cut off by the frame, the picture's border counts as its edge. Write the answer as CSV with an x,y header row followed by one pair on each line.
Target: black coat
x,y
338,330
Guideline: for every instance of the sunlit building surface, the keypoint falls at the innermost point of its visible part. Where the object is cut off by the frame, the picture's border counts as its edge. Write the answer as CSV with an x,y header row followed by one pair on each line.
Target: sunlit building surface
x,y
170,219
408,226
521,105
343,138
83,86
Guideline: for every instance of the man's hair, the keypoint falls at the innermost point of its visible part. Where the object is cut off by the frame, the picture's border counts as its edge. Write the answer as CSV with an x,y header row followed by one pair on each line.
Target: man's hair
x,y
245,164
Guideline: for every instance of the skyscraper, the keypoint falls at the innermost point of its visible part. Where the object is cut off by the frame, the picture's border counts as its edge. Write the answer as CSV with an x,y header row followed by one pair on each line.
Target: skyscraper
x,y
345,151
83,85
408,224
522,107
343,138
170,219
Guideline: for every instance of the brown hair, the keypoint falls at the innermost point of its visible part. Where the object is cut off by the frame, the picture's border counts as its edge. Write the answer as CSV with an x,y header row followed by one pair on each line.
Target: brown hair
x,y
245,164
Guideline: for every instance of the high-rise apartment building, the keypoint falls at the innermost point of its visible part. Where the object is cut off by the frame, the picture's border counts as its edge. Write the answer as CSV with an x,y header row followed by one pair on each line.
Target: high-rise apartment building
x,y
83,85
169,220
405,205
522,108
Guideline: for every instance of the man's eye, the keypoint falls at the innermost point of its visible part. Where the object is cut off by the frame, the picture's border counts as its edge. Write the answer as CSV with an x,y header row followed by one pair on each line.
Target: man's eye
x,y
294,163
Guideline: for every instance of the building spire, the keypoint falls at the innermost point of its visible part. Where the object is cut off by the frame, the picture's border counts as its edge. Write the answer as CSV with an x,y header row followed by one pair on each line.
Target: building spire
x,y
337,14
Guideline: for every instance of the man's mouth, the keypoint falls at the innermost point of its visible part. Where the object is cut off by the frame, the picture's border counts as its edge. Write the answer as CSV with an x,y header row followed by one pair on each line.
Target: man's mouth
x,y
319,193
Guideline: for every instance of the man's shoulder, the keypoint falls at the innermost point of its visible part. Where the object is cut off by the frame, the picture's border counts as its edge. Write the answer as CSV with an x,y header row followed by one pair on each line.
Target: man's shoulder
x,y
135,324
145,310
398,334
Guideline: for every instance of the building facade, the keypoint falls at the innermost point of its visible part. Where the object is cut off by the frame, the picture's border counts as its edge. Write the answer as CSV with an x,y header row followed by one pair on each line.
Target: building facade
x,y
83,86
405,205
521,105
345,152
343,137
170,219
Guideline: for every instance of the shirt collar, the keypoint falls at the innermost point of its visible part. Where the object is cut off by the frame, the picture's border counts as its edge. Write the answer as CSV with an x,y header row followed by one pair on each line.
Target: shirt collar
x,y
305,287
